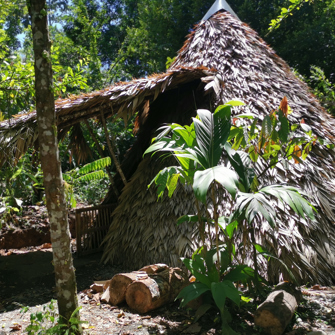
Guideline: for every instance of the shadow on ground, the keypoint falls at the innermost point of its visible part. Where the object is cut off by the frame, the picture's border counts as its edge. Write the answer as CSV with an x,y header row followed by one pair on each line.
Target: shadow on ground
x,y
27,279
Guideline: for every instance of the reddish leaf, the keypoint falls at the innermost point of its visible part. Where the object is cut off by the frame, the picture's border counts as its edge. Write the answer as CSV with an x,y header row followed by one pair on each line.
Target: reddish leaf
x,y
297,152
284,106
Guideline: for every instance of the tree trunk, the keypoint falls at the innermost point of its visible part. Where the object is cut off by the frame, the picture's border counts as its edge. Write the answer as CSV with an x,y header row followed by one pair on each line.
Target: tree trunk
x,y
53,182
275,313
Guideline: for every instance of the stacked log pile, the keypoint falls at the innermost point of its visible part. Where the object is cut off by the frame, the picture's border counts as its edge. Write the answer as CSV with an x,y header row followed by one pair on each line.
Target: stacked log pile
x,y
145,289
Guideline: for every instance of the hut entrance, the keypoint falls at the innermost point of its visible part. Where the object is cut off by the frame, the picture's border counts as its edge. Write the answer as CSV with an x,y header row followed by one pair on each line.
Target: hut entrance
x,y
92,224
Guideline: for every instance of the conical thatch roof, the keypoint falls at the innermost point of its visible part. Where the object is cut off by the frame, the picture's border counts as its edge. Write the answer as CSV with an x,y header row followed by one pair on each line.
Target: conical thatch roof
x,y
144,230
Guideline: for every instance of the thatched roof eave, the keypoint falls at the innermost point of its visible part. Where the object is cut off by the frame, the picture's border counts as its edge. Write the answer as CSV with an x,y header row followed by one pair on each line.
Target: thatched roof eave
x,y
121,100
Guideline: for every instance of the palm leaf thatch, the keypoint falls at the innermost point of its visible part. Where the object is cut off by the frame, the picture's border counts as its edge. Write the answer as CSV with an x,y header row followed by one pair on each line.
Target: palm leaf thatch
x,y
145,231
120,100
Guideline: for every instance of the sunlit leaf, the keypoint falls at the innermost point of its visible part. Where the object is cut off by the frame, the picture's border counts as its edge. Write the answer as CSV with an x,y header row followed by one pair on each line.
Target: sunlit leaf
x,y
221,174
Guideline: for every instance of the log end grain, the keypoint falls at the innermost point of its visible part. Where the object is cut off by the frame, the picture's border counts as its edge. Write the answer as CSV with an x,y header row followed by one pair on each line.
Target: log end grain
x,y
275,313
139,297
119,284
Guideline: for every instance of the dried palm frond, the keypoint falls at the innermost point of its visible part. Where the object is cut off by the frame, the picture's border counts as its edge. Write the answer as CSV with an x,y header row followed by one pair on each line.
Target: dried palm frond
x,y
78,146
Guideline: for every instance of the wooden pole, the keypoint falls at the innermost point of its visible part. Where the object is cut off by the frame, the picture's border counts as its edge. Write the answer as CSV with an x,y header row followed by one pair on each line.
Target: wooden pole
x,y
109,144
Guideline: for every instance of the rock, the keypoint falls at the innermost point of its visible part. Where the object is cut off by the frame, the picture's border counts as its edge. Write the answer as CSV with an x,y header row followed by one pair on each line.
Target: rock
x,y
318,332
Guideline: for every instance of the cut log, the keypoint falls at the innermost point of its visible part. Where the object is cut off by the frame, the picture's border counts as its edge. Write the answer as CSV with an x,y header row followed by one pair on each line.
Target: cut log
x,y
156,290
119,284
275,313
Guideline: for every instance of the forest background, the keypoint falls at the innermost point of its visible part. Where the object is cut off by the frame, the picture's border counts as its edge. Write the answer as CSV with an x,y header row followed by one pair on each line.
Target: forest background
x,y
98,43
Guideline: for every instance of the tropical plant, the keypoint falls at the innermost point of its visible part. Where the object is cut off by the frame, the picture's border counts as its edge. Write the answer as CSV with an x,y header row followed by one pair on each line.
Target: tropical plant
x,y
323,88
209,158
88,173
46,321
23,181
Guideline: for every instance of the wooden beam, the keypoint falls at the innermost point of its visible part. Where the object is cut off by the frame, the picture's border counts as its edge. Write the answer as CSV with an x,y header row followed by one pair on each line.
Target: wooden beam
x,y
109,144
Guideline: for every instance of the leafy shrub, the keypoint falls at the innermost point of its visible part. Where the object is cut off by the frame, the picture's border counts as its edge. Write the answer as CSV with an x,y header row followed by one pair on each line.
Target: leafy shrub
x,y
242,140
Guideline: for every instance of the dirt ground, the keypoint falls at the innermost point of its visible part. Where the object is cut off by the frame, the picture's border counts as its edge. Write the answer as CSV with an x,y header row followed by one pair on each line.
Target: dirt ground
x,y
27,279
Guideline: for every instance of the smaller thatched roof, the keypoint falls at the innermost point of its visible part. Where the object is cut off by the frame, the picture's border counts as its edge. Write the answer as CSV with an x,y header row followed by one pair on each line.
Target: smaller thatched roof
x,y
120,100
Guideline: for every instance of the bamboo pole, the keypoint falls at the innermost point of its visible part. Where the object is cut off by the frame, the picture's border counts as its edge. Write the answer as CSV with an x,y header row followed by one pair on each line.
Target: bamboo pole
x,y
109,144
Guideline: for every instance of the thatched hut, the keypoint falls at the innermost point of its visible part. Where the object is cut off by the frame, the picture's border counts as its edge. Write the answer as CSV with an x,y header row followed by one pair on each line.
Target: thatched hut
x,y
222,59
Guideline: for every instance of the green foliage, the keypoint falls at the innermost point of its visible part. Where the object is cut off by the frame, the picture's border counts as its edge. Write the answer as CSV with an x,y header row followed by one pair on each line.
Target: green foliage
x,y
17,82
9,207
323,89
243,140
88,36
6,8
198,147
305,38
47,321
217,285
285,12
88,173
23,181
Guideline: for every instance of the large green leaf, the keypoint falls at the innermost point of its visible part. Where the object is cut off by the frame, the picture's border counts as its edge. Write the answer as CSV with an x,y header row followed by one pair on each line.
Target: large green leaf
x,y
291,196
184,136
211,134
248,205
223,290
268,255
166,179
242,165
230,228
221,174
236,274
164,144
195,269
192,292
190,218
210,259
96,175
225,261
266,127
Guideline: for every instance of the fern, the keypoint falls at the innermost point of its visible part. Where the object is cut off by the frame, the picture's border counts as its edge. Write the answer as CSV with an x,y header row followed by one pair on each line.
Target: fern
x,y
89,172
92,176
94,166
